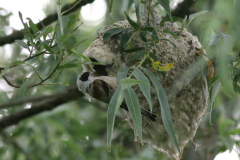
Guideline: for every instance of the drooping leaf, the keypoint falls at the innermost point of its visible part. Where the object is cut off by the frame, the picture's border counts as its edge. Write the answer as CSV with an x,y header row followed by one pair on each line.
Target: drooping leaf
x,y
125,36
192,16
23,88
175,19
129,82
60,16
113,107
3,96
137,11
49,49
234,132
213,80
215,38
152,15
163,39
122,73
137,55
148,28
155,36
23,44
131,22
85,58
171,33
133,49
166,6
45,32
67,66
110,6
111,32
144,88
70,43
165,110
153,56
143,36
10,65
32,26
134,110
212,94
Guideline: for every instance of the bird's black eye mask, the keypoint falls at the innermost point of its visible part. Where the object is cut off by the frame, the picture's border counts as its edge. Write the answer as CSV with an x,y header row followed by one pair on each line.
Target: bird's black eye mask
x,y
84,76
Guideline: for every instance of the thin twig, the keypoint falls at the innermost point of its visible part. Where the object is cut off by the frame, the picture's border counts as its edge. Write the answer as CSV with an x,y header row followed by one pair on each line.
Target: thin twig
x,y
49,75
9,83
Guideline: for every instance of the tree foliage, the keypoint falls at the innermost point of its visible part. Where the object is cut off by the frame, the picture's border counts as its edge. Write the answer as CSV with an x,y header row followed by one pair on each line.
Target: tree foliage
x,y
48,59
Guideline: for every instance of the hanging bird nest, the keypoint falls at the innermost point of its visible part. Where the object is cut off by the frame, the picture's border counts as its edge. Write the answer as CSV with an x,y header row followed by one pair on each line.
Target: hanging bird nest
x,y
186,88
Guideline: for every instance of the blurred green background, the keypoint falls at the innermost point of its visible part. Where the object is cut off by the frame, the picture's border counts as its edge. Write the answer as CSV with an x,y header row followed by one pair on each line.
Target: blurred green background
x,y
77,130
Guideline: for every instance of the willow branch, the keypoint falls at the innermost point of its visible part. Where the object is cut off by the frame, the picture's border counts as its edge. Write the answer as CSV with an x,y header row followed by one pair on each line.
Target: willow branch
x,y
70,94
45,22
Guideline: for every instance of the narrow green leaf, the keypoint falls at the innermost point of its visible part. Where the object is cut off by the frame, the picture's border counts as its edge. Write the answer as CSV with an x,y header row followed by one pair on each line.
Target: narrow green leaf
x,y
165,110
175,19
133,49
3,96
10,65
23,44
125,36
212,94
227,40
134,110
45,31
171,33
23,88
153,56
129,82
163,39
192,16
32,26
155,36
228,141
49,49
137,11
215,38
131,22
150,29
235,131
122,73
113,107
60,16
110,6
111,32
144,88
143,37
84,57
24,24
70,43
67,66
100,30
166,6
137,55
152,15
213,80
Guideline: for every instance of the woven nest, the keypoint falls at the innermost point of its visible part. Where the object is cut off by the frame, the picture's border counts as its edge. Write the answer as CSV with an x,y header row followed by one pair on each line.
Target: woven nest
x,y
185,87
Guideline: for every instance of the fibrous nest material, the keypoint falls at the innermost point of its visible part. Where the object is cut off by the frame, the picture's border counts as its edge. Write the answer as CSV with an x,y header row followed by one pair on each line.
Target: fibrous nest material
x,y
185,87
